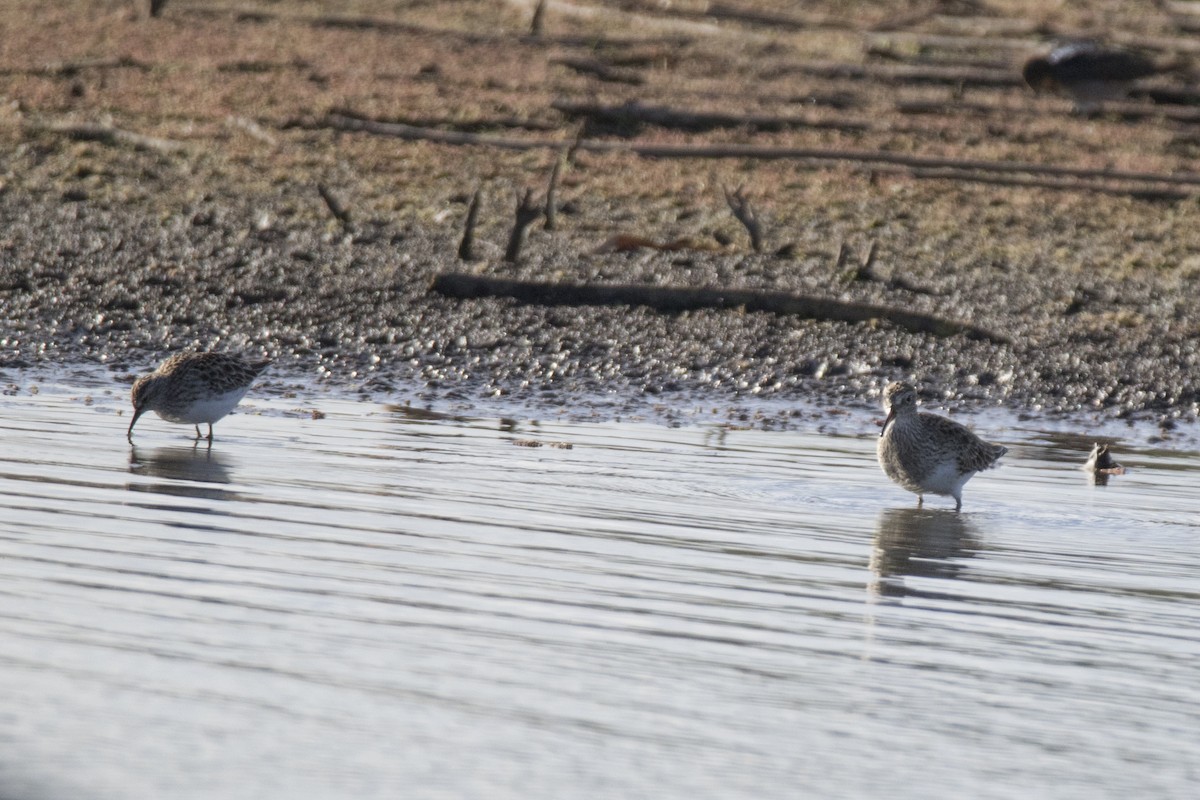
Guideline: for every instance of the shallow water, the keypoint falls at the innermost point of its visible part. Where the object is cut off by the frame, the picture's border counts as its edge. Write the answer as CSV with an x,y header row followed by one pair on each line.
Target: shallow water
x,y
380,603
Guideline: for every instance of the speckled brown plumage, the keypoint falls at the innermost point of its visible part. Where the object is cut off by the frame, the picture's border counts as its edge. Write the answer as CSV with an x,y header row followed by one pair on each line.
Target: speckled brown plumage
x,y
928,454
191,388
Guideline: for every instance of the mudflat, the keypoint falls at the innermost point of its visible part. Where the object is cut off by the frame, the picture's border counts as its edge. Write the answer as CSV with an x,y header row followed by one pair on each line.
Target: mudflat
x,y
291,179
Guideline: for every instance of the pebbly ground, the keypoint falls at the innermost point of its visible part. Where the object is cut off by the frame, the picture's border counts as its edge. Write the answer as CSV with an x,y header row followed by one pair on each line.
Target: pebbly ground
x,y
354,312
118,254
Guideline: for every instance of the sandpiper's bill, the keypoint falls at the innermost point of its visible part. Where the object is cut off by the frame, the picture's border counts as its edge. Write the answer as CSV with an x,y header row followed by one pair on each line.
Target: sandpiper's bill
x,y
928,454
190,388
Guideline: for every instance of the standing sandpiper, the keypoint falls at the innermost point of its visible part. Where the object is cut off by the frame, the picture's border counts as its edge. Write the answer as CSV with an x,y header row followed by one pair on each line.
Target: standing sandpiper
x,y
928,454
191,388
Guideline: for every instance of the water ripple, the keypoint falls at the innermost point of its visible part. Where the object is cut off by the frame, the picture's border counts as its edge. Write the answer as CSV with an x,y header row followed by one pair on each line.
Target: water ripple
x,y
379,598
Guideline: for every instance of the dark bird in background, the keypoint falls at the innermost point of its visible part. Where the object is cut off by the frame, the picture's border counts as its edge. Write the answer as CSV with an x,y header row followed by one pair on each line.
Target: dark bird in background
x,y
1088,73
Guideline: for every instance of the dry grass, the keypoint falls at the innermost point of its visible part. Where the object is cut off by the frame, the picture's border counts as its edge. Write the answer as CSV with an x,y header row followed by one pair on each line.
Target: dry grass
x,y
193,74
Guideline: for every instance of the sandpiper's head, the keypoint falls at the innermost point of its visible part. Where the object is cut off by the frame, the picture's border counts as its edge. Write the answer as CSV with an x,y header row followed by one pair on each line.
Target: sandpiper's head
x,y
1039,74
899,399
143,394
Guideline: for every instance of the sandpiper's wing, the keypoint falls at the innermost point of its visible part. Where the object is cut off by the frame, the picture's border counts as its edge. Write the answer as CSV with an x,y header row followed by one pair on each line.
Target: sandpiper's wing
x,y
974,454
221,371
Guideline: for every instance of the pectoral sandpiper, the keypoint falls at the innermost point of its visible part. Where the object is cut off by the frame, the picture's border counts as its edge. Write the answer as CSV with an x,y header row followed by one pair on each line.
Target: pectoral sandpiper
x,y
928,454
190,388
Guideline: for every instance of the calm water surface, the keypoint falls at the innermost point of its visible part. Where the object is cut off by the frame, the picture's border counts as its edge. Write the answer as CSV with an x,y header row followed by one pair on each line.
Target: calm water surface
x,y
374,604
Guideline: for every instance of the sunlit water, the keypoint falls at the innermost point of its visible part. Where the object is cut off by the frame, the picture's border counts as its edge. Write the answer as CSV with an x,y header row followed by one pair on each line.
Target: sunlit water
x,y
373,604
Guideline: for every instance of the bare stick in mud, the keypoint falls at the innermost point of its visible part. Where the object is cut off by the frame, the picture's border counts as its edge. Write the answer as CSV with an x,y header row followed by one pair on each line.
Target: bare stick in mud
x,y
339,211
740,205
106,134
864,271
551,223
528,212
466,248
687,298
843,255
538,23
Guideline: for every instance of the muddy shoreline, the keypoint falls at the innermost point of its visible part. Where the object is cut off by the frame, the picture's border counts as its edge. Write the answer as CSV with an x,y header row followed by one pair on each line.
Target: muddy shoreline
x,y
119,252
84,283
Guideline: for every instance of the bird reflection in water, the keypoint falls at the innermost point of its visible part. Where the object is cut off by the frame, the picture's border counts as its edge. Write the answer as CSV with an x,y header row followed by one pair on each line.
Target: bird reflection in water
x,y
183,472
918,543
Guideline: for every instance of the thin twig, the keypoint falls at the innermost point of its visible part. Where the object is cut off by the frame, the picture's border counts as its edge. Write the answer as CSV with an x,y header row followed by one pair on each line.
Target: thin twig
x,y
842,256
538,23
252,128
528,212
739,204
573,149
336,208
107,134
601,71
466,248
552,193
864,271
869,259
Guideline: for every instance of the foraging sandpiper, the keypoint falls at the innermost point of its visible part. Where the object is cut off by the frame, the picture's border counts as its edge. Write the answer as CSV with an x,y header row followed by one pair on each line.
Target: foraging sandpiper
x,y
928,454
190,388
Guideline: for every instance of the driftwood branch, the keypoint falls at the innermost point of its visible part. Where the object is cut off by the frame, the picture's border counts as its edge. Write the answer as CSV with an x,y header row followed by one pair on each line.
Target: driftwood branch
x,y
339,211
590,41
902,73
67,69
775,21
739,204
466,248
601,71
686,298
1068,178
636,113
528,212
106,134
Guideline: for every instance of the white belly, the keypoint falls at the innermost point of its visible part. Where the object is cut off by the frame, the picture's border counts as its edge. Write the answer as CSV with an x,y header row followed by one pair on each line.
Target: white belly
x,y
946,479
209,409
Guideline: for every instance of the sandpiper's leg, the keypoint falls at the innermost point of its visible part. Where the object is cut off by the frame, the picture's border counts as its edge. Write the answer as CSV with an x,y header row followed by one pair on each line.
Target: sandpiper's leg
x,y
197,433
209,431
920,500
957,503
